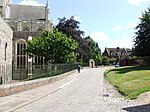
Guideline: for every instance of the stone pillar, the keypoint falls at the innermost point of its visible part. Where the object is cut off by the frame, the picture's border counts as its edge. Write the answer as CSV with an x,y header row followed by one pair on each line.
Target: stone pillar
x,y
29,62
29,66
91,63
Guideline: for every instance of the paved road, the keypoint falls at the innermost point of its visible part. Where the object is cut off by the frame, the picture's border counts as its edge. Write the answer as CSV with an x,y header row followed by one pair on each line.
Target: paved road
x,y
83,92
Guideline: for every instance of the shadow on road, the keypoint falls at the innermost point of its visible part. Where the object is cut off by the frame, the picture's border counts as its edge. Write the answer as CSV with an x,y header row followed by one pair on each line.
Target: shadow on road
x,y
140,108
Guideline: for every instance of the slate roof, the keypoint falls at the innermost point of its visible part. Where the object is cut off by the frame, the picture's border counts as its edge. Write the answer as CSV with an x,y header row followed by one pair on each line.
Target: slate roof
x,y
26,12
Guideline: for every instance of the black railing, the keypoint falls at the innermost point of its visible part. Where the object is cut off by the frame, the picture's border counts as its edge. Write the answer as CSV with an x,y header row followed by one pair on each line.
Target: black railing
x,y
41,71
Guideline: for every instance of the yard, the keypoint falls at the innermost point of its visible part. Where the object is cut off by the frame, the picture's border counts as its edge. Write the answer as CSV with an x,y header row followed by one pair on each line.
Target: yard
x,y
131,81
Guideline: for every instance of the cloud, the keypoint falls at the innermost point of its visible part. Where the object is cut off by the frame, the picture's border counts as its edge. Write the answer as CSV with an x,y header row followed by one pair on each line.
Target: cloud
x,y
30,2
117,28
131,25
137,2
99,36
124,42
77,18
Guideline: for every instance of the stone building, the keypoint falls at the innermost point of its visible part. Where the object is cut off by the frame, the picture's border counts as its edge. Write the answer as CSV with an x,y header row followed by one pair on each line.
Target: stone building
x,y
6,35
26,21
3,6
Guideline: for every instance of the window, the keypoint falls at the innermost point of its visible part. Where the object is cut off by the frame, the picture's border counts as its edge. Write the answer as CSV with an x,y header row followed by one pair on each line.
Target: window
x,y
21,55
5,50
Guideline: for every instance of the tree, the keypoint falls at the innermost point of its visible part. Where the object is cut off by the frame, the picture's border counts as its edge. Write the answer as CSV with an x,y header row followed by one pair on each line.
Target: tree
x,y
142,38
105,60
70,27
53,46
95,51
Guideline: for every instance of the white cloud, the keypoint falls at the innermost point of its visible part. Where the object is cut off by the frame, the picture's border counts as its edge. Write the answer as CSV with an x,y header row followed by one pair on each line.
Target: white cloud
x,y
131,25
99,36
122,43
137,2
117,28
31,2
77,18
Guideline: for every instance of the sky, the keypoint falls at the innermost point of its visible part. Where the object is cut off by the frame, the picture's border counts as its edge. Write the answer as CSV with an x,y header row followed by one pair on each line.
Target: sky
x,y
110,23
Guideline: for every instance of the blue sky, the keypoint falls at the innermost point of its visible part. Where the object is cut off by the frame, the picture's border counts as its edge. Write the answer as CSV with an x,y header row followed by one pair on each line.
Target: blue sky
x,y
109,22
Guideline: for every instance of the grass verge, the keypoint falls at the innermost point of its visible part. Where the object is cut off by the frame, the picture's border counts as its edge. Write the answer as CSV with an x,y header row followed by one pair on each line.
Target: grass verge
x,y
131,81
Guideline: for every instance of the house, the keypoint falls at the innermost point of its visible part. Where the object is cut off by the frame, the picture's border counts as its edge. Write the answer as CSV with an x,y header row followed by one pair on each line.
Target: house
x,y
118,53
26,21
6,35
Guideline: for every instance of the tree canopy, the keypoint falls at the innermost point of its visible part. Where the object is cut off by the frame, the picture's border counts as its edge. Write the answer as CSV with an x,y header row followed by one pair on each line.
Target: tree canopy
x,y
142,37
95,52
70,27
53,46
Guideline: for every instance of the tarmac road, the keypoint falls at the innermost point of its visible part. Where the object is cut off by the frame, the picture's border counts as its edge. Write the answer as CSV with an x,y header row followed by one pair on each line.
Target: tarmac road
x,y
86,91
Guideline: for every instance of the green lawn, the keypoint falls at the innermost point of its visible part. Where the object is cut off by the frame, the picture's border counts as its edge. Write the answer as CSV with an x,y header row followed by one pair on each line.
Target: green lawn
x,y
131,81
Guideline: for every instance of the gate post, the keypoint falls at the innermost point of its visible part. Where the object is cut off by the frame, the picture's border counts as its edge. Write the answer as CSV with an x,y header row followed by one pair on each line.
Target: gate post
x,y
29,67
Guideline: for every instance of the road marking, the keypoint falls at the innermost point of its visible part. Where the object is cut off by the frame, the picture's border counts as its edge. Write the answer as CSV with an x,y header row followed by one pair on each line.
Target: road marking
x,y
68,82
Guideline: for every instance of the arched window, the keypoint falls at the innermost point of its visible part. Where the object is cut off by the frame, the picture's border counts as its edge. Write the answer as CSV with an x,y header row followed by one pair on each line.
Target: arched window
x,y
5,50
21,54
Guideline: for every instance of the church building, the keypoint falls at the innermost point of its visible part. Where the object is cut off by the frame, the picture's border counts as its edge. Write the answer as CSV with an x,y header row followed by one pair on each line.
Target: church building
x,y
26,21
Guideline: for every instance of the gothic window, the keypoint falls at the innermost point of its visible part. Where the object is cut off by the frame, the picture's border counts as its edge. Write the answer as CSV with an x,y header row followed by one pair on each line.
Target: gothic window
x,y
1,12
5,50
21,55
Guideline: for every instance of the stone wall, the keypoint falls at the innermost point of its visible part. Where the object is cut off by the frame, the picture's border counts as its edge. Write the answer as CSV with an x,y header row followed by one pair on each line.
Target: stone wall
x,y
6,35
17,87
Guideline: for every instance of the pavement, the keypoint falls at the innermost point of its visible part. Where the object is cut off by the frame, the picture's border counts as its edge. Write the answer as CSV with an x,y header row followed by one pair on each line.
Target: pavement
x,y
87,91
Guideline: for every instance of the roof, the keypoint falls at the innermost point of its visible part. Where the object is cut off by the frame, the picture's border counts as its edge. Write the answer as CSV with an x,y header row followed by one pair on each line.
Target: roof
x,y
114,51
26,12
25,34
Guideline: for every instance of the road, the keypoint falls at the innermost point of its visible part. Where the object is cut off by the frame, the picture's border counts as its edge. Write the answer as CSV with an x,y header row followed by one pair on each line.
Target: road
x,y
83,92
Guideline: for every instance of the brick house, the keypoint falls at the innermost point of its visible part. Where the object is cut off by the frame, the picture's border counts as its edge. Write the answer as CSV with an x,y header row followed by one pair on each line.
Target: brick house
x,y
120,54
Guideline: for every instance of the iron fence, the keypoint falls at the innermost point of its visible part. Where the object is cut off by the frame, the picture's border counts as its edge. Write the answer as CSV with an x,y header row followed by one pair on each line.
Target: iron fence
x,y
39,71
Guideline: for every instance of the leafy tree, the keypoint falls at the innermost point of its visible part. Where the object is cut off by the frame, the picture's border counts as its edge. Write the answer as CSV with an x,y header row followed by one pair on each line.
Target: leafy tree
x,y
53,46
70,27
142,38
95,52
99,59
105,60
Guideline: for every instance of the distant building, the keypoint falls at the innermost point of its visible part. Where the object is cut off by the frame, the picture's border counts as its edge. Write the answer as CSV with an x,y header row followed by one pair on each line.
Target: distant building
x,y
6,35
118,53
115,52
26,21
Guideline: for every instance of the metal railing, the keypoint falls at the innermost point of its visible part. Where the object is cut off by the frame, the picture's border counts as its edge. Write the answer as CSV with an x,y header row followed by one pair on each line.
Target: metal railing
x,y
41,71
